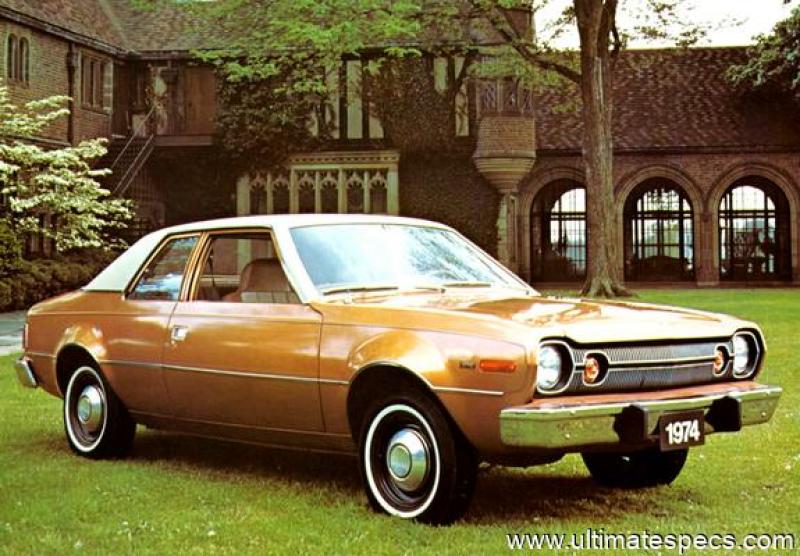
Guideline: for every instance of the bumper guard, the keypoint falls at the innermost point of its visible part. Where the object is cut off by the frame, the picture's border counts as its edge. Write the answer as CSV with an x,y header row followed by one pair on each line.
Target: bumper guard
x,y
25,372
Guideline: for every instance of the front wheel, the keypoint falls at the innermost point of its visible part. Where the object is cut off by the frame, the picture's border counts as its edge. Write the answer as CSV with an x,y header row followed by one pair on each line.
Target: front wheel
x,y
96,423
636,469
414,464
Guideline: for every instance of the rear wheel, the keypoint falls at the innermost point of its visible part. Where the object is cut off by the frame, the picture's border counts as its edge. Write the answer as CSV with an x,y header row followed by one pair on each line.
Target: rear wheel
x,y
636,469
414,463
96,423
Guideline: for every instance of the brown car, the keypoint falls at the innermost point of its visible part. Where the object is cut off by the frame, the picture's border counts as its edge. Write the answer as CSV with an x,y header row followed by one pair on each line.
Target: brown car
x,y
393,338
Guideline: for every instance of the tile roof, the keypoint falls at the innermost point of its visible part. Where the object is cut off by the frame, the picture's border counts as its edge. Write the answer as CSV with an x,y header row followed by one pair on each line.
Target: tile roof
x,y
662,98
166,28
117,23
674,98
89,18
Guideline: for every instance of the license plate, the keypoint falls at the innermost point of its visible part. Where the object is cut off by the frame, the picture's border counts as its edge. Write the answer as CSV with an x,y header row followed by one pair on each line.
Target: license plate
x,y
681,430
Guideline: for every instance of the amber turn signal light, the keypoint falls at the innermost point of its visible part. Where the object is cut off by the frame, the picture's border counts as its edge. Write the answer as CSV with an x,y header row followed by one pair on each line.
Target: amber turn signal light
x,y
719,361
591,370
497,366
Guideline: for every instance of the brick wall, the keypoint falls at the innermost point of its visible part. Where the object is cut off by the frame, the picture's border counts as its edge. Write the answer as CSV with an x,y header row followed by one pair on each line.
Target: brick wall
x,y
48,71
49,76
93,121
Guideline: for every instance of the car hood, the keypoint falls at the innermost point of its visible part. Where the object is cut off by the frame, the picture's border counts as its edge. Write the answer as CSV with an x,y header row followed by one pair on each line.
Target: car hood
x,y
584,321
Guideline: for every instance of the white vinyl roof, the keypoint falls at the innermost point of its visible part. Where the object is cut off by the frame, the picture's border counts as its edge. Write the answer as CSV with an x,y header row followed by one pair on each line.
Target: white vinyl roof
x,y
117,275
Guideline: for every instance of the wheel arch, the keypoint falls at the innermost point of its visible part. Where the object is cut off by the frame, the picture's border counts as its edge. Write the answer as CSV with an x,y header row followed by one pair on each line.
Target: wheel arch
x,y
370,379
69,355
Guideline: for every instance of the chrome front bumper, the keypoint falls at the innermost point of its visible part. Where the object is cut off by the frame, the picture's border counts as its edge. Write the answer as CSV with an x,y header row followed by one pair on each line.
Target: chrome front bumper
x,y
572,427
25,372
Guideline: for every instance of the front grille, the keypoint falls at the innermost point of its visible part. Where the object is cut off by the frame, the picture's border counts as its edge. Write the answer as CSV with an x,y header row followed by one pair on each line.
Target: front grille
x,y
649,366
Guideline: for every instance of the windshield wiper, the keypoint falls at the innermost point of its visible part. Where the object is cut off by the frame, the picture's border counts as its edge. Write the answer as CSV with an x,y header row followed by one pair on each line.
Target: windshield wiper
x,y
352,289
468,284
428,287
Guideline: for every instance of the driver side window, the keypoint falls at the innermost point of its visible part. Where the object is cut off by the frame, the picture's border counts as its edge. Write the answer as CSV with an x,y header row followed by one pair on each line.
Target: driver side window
x,y
243,268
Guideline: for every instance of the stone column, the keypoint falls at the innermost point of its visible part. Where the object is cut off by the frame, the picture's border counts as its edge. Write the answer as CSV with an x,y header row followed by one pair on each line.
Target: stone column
x,y
505,154
706,255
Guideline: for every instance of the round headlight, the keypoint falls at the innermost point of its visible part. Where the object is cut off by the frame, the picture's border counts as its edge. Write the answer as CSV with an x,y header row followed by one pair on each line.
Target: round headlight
x,y
548,368
741,357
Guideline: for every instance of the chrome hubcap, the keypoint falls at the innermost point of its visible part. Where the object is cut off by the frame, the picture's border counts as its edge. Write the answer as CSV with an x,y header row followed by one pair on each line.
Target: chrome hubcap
x,y
90,408
407,459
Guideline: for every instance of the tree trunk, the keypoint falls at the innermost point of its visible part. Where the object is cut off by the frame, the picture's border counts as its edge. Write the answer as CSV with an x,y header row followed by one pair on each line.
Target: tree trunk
x,y
604,277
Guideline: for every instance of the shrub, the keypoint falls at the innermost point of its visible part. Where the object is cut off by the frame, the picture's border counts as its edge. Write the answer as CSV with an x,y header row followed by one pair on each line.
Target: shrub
x,y
10,250
39,279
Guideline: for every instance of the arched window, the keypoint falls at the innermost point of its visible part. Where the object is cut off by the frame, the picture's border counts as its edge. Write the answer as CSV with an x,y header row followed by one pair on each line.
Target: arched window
x,y
754,241
378,203
659,236
355,193
12,58
306,197
24,61
258,199
558,232
329,195
280,197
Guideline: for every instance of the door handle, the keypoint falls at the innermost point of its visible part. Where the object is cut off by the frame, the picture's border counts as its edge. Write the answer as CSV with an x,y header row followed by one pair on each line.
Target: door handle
x,y
178,333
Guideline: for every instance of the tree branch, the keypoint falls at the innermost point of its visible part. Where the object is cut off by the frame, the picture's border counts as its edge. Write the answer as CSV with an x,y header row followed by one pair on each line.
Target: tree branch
x,y
616,41
509,33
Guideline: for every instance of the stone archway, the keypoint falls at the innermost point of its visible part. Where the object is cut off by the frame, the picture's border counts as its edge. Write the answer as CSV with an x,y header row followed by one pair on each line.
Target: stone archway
x,y
762,171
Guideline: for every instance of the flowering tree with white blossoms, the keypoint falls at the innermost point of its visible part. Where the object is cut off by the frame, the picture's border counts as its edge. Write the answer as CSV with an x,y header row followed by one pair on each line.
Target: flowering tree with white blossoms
x,y
58,182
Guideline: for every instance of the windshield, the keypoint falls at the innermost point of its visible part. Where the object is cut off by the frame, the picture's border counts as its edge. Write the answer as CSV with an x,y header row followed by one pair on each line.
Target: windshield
x,y
362,257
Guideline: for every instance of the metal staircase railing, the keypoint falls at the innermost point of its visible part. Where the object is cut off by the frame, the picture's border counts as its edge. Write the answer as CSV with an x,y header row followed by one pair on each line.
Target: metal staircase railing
x,y
136,161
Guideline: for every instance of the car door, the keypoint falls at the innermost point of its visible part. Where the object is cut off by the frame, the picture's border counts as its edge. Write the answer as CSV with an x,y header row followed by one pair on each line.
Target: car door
x,y
242,349
135,330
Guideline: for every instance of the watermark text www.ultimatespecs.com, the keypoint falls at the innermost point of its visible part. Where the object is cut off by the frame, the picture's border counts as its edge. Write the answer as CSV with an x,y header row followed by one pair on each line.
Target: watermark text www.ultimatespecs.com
x,y
681,543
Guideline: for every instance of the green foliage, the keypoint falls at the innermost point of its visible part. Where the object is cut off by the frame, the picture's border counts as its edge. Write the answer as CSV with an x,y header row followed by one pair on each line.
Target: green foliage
x,y
33,281
773,64
10,249
404,95
260,124
57,182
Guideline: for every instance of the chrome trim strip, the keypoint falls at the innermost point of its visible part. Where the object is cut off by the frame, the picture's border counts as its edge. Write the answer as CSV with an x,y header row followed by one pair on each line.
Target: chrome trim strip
x,y
681,361
455,390
653,368
40,354
145,364
243,374
269,376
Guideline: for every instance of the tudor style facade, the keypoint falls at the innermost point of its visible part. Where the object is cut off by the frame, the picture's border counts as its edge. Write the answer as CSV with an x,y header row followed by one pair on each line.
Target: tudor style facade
x,y
707,180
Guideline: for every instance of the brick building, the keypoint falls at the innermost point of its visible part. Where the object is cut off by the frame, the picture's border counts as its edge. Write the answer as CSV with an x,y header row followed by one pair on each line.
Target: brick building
x,y
708,180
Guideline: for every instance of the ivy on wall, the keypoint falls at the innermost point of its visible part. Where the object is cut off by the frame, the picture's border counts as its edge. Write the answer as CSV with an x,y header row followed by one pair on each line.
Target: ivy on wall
x,y
261,125
449,189
198,183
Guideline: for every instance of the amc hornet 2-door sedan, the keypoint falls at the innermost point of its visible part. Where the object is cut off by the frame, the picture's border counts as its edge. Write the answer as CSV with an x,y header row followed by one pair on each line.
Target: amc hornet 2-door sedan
x,y
393,338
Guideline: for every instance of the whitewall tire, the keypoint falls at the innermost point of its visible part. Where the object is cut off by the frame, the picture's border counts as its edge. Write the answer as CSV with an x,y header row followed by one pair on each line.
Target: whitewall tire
x,y
96,423
414,464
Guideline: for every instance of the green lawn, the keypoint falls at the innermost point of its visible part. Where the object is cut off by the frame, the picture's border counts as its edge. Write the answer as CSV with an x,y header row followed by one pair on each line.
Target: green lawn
x,y
179,494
